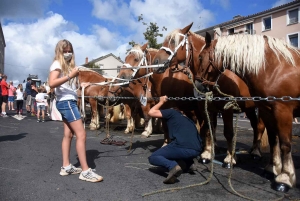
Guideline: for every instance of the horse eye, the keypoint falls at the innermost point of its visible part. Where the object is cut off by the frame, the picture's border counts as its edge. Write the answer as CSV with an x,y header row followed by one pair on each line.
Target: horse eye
x,y
136,59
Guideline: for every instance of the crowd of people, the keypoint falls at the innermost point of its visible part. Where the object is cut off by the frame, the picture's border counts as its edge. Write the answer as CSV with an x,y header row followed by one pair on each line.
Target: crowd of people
x,y
36,99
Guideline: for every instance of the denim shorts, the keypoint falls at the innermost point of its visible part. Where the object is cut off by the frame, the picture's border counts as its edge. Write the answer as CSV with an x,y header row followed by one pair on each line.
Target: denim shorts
x,y
68,110
11,98
41,107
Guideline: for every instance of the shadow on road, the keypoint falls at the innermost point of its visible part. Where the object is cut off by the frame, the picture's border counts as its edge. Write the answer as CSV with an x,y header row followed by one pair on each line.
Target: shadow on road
x,y
12,137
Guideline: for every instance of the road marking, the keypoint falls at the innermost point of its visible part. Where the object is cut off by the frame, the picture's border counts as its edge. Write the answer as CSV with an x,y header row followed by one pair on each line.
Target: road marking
x,y
2,168
18,117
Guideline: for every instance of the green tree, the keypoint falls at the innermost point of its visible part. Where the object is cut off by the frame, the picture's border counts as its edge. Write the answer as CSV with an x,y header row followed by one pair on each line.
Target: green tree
x,y
151,33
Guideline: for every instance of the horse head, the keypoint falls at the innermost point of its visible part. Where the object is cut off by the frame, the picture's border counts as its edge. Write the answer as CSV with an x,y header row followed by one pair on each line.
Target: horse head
x,y
173,49
208,71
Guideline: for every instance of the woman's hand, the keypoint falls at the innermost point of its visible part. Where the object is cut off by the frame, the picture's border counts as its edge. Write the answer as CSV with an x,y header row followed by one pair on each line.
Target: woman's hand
x,y
74,72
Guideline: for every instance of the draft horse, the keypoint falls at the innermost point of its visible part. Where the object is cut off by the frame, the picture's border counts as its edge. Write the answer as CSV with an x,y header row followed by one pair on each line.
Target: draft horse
x,y
183,46
169,83
271,69
139,86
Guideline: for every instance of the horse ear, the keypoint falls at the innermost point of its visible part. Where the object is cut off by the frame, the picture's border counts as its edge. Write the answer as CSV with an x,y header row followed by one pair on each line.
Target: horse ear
x,y
144,47
187,28
207,39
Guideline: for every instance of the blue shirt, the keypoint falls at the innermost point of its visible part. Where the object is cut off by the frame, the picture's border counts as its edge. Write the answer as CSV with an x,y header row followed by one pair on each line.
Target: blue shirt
x,y
28,88
182,130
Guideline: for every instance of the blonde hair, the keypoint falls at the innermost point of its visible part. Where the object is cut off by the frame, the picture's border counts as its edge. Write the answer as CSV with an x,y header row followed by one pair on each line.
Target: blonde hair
x,y
20,86
66,66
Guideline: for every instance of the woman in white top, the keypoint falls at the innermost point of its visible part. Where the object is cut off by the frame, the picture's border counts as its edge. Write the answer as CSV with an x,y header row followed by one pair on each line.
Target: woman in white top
x,y
62,77
19,99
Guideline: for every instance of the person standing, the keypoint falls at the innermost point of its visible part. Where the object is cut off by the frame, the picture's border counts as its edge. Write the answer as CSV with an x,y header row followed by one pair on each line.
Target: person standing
x,y
28,95
19,99
11,96
4,88
185,142
0,94
62,77
40,104
34,92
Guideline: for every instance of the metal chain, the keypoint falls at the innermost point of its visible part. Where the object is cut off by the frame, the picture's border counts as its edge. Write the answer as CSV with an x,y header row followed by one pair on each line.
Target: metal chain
x,y
202,98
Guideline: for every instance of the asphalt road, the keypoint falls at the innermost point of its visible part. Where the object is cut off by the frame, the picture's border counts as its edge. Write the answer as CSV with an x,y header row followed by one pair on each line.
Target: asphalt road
x,y
30,155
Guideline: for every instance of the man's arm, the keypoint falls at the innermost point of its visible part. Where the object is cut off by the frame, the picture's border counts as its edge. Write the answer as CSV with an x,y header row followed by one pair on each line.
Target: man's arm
x,y
154,111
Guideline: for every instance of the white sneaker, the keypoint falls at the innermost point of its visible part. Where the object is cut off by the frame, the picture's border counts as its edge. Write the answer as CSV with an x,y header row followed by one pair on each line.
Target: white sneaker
x,y
72,170
90,176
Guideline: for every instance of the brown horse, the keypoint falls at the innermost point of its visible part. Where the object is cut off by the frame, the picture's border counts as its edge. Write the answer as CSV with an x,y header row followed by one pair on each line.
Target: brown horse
x,y
271,69
169,83
184,46
139,86
96,94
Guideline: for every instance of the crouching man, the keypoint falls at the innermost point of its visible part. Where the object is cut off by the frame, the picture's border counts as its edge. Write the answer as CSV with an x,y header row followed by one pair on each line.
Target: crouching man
x,y
185,142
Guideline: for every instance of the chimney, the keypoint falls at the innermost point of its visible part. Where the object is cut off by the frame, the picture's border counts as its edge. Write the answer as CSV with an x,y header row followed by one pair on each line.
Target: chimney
x,y
86,60
237,16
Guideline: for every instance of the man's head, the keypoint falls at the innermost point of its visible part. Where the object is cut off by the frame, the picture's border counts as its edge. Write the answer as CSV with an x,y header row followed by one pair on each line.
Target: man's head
x,y
4,77
28,79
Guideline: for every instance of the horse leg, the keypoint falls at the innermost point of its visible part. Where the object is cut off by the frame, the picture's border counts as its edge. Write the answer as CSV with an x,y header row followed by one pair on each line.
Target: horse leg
x,y
94,125
205,157
286,177
258,131
129,118
148,122
228,134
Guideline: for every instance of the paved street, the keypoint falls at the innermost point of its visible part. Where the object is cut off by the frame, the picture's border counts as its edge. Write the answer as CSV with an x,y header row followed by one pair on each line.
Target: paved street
x,y
30,155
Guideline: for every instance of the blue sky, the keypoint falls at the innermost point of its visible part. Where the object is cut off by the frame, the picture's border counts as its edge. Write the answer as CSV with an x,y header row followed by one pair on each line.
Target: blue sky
x,y
99,27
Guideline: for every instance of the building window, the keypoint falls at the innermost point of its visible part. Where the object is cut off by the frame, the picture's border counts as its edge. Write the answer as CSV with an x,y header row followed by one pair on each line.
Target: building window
x,y
293,39
101,66
118,69
230,31
293,16
249,28
267,23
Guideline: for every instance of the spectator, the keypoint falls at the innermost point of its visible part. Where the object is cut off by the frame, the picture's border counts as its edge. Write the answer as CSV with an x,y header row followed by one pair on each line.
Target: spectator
x,y
40,104
184,146
0,94
19,99
62,78
11,96
33,92
28,95
4,88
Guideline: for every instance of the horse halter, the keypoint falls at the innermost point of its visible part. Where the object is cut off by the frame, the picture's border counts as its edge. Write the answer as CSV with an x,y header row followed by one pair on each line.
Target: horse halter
x,y
172,54
208,70
143,61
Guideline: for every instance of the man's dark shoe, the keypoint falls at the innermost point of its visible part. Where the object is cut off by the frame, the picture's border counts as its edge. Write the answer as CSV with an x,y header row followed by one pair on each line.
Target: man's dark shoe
x,y
173,174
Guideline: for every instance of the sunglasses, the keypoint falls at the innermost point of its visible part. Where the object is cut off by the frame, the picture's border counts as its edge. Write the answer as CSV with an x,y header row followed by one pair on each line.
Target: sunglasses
x,y
67,51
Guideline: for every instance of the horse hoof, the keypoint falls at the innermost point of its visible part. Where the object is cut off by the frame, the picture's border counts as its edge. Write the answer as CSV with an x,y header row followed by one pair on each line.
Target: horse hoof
x,y
204,160
281,187
227,165
268,175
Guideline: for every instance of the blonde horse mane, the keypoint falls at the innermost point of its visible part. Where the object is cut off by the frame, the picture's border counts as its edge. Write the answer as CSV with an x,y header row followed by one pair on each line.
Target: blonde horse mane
x,y
175,36
247,52
137,50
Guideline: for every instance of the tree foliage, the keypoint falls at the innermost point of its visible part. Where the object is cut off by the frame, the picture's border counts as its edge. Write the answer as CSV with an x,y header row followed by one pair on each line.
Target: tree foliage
x,y
151,33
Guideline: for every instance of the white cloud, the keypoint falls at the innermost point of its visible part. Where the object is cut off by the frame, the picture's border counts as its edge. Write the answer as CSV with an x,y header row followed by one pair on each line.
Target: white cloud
x,y
172,14
280,2
30,46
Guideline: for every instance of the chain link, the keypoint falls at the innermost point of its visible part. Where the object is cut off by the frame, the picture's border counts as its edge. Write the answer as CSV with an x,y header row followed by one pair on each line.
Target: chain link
x,y
202,98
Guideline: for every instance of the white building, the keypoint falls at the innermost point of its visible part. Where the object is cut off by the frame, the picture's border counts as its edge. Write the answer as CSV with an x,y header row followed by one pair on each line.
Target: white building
x,y
105,62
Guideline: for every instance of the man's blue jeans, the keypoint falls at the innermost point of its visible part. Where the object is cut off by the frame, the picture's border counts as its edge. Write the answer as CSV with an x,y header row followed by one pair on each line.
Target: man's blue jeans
x,y
169,154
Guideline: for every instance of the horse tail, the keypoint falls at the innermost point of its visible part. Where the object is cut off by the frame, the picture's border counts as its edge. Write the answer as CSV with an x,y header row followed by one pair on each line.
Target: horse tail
x,y
116,112
264,143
